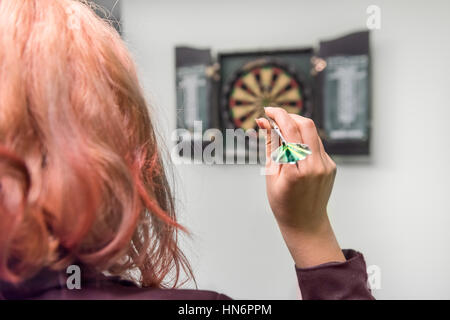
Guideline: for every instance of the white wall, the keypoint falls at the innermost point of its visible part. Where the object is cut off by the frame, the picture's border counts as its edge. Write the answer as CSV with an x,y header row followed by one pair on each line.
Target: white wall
x,y
394,208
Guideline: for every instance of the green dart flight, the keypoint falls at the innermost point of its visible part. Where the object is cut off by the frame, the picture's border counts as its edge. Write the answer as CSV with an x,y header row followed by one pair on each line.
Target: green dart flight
x,y
288,152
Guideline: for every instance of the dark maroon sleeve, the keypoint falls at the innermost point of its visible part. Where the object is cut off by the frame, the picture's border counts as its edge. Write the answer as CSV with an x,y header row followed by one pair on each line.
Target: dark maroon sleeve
x,y
336,280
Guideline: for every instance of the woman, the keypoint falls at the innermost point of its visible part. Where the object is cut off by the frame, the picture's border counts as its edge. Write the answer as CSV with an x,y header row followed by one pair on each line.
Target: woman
x,y
82,181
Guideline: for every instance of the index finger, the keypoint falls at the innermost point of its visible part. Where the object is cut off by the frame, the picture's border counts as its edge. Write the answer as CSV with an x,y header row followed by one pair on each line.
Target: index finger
x,y
287,125
309,132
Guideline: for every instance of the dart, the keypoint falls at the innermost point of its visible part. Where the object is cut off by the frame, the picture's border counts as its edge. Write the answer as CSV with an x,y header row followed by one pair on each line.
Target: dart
x,y
288,152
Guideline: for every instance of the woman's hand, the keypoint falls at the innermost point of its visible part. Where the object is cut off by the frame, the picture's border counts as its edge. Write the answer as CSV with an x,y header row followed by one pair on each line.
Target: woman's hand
x,y
298,193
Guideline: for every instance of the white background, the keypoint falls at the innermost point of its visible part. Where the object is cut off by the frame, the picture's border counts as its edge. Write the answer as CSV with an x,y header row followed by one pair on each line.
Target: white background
x,y
394,207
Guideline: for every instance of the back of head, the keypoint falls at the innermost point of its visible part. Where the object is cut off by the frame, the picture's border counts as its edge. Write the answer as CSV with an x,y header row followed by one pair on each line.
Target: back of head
x,y
81,179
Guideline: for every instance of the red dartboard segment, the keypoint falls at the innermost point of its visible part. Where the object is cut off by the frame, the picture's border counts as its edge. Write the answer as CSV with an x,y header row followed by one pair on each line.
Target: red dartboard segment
x,y
294,84
262,86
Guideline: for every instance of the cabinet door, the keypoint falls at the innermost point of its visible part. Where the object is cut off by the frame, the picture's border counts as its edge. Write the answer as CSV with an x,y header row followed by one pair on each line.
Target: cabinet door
x,y
343,99
193,87
110,10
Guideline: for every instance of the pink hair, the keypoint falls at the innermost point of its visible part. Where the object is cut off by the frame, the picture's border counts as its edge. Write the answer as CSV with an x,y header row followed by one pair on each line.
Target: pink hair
x,y
81,177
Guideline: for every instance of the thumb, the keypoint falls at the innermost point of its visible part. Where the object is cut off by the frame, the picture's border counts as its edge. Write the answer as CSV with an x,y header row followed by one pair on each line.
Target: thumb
x,y
272,143
265,125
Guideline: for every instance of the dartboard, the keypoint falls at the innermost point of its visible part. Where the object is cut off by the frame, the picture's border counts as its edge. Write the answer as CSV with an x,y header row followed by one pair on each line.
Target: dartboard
x,y
262,86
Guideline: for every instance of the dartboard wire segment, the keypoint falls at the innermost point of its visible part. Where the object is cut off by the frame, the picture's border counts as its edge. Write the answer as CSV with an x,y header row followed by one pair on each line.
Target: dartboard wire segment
x,y
259,87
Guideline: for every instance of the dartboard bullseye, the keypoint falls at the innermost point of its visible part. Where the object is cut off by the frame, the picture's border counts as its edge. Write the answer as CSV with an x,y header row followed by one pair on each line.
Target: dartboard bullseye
x,y
262,86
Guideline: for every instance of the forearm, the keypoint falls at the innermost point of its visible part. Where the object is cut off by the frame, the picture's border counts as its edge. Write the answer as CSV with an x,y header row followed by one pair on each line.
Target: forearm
x,y
313,247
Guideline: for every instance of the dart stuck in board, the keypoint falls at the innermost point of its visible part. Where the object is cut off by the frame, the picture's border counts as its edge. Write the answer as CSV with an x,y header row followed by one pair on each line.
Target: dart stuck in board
x,y
288,152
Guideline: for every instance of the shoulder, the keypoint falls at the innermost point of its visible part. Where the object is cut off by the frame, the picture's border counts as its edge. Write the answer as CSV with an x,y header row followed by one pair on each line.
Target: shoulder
x,y
117,291
52,286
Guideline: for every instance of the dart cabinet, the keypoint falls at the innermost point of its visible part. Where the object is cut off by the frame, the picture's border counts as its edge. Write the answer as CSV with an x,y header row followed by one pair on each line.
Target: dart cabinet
x,y
330,84
110,10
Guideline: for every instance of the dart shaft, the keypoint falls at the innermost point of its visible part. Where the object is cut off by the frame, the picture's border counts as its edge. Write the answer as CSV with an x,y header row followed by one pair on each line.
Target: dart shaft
x,y
275,127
